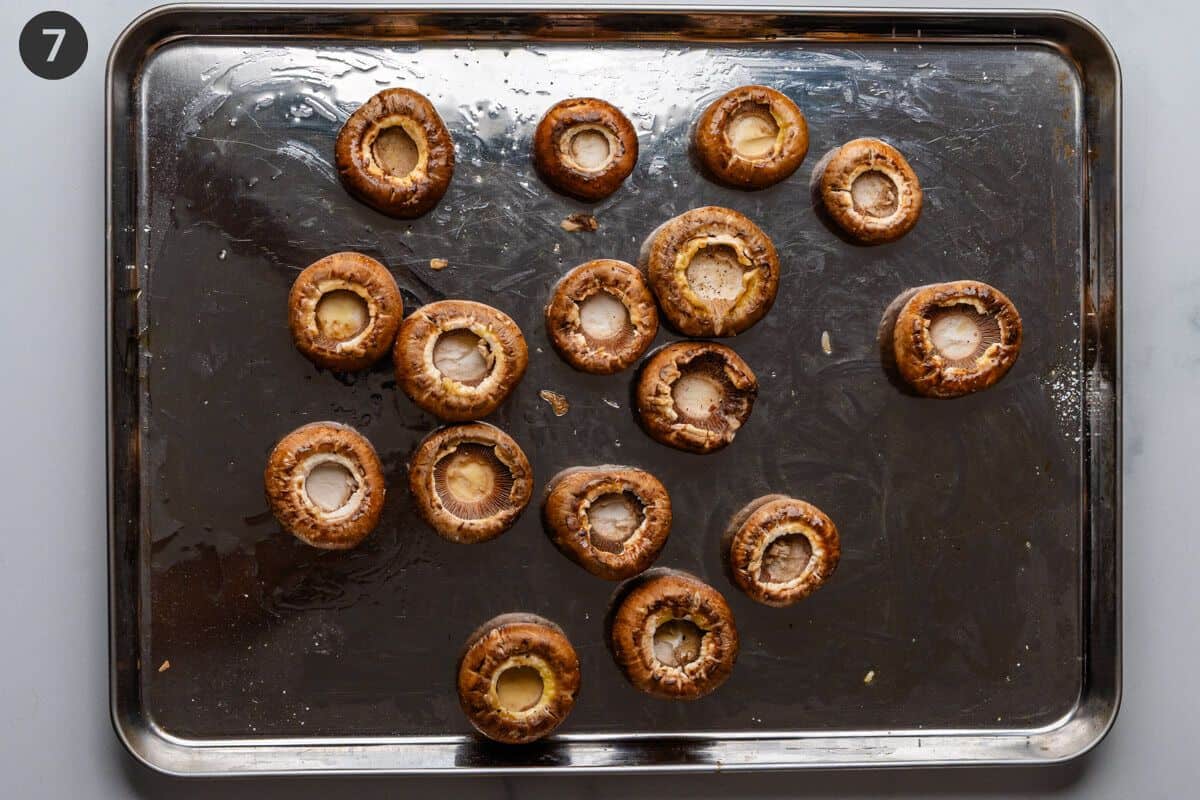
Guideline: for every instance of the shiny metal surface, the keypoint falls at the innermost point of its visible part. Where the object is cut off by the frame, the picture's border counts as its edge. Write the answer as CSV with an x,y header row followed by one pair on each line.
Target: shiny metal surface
x,y
975,615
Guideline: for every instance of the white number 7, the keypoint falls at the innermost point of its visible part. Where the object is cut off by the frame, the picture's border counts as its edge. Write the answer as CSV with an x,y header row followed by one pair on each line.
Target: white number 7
x,y
58,34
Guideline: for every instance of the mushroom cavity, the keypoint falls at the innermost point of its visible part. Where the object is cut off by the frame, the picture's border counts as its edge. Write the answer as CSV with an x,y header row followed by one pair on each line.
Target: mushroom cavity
x,y
961,333
785,558
698,396
874,194
588,148
751,137
677,642
716,274
462,356
752,132
395,151
612,520
601,316
471,482
519,688
779,550
330,485
585,147
869,191
342,314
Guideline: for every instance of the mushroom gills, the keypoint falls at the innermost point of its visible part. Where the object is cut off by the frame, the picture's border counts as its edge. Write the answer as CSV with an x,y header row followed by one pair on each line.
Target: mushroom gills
x,y
329,485
604,318
341,314
612,519
519,688
395,151
875,194
677,642
462,356
961,334
753,133
589,149
785,558
472,483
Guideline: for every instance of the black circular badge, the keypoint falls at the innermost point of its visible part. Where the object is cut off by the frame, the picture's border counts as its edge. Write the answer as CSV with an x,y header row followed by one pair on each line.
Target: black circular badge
x,y
53,45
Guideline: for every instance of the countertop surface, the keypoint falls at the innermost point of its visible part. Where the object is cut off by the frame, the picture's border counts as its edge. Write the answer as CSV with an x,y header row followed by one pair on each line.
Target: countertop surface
x,y
58,741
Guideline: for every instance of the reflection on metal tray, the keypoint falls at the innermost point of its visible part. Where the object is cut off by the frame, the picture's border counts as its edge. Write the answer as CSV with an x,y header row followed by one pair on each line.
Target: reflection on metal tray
x,y
975,614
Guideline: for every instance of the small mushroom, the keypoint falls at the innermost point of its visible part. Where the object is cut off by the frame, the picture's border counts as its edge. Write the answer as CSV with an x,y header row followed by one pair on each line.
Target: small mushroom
x,y
470,482
715,272
584,147
325,485
779,550
951,339
869,191
671,634
459,359
601,317
344,310
752,137
613,521
395,154
517,678
695,395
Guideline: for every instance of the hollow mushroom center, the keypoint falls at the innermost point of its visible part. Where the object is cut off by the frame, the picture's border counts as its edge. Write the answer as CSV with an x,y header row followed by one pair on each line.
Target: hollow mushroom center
x,y
602,316
613,518
961,334
753,132
471,482
462,356
519,688
589,149
677,642
342,315
395,151
697,395
785,558
329,486
715,274
875,194
470,478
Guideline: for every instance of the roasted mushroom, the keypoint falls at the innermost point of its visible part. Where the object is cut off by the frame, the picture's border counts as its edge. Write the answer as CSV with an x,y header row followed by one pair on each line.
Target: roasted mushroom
x,y
459,359
695,395
584,147
671,634
752,137
325,485
343,311
601,317
951,339
779,550
715,273
395,154
869,191
517,678
612,521
470,482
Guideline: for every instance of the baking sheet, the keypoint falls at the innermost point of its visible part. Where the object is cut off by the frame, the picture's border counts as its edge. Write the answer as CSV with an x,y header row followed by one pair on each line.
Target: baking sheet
x,y
964,606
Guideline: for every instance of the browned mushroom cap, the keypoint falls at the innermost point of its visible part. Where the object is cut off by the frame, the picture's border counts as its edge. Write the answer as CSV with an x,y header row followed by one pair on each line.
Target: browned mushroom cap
x,y
517,678
870,191
752,137
671,634
695,395
779,550
344,311
395,154
459,359
601,317
325,485
584,147
612,521
951,339
470,482
715,272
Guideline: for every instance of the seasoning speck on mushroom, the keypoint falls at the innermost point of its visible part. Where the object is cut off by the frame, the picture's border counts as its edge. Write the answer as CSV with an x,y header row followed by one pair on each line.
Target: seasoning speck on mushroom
x,y
752,137
601,316
779,550
714,272
517,678
585,148
324,483
869,191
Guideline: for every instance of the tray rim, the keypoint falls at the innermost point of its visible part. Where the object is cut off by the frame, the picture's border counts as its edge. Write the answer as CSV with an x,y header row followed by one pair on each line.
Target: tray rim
x,y
1082,728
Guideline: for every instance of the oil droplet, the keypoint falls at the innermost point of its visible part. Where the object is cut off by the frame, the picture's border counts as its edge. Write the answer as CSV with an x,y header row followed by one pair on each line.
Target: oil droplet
x,y
221,255
826,344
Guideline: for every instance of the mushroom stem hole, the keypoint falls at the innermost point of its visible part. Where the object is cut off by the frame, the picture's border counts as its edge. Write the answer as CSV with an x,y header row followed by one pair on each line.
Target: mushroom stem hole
x,y
715,274
961,334
613,518
697,395
395,151
329,485
342,314
603,317
472,483
875,194
677,642
753,132
589,149
519,688
462,356
785,558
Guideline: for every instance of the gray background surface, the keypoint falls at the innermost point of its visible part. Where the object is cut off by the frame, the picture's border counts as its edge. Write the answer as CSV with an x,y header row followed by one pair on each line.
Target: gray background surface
x,y
57,741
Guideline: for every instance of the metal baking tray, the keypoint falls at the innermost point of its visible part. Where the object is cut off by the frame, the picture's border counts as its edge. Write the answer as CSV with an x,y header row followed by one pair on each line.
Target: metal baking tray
x,y
975,615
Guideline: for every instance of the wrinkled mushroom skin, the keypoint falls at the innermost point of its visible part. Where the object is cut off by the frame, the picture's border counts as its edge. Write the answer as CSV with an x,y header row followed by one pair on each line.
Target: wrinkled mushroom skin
x,y
889,182
426,384
513,489
403,196
656,403
564,322
362,276
672,249
925,368
658,596
291,463
716,138
746,548
570,496
552,147
517,640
